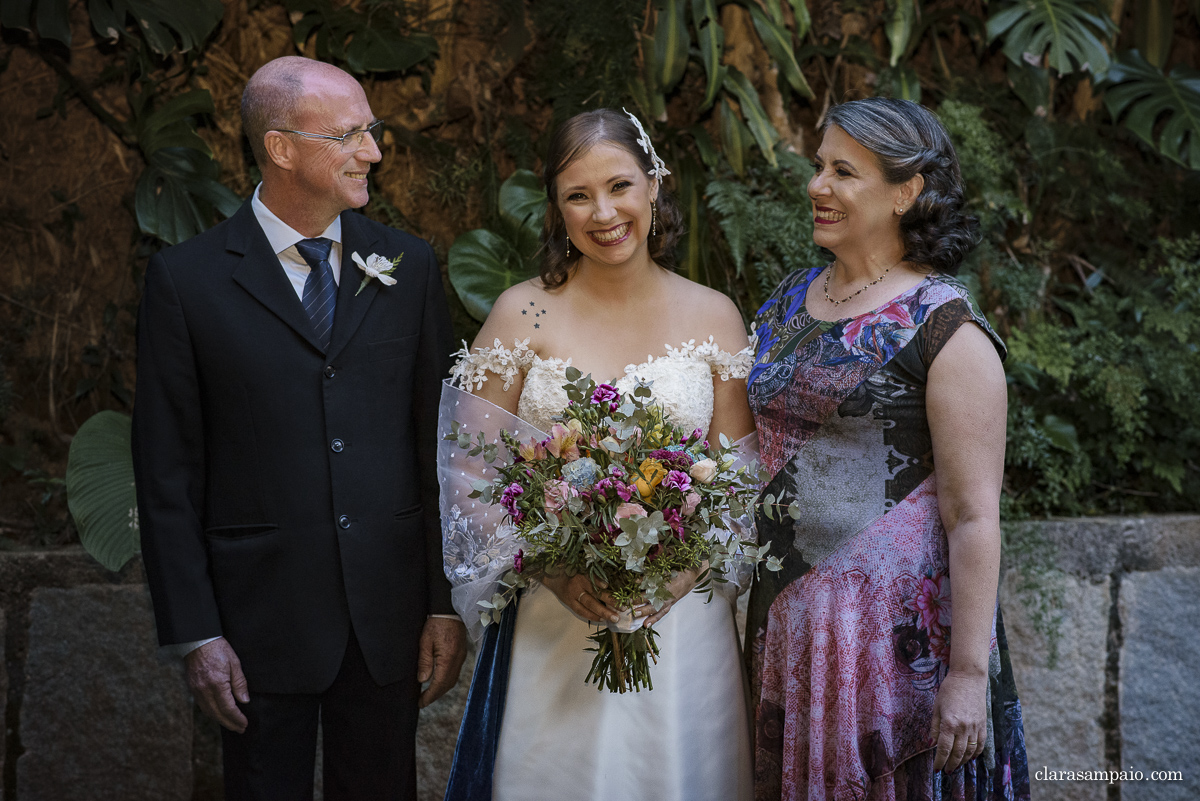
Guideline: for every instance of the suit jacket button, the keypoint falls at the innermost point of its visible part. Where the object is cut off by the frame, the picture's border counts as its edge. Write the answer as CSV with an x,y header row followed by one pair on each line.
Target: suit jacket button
x,y
344,521
330,372
337,446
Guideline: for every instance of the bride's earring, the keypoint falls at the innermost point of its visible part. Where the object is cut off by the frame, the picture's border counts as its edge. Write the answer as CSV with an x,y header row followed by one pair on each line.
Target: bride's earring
x,y
568,247
653,219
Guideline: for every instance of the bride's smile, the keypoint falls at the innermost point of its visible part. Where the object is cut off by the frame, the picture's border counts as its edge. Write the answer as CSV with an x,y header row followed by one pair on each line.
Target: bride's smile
x,y
605,202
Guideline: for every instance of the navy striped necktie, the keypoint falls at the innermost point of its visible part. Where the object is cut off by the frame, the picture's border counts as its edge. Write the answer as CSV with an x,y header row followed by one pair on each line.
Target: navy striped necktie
x,y
320,290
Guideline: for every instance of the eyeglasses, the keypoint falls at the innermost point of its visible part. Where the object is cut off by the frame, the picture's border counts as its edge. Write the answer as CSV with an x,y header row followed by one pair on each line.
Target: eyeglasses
x,y
351,142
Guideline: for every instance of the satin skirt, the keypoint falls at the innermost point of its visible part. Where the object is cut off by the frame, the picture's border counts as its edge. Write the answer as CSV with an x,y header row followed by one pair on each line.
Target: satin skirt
x,y
685,740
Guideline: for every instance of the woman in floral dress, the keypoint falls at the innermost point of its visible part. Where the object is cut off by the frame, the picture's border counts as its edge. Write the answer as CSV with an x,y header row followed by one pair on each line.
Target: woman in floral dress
x,y
877,657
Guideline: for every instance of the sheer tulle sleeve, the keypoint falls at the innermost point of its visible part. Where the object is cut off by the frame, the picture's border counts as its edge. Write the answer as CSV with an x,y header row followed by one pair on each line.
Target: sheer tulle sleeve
x,y
478,544
723,363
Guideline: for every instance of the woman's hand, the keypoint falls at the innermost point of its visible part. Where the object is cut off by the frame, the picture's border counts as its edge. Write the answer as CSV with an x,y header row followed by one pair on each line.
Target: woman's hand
x,y
959,720
679,586
576,593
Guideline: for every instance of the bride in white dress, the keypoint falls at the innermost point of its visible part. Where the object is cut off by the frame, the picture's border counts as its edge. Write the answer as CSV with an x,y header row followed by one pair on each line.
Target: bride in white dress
x,y
606,305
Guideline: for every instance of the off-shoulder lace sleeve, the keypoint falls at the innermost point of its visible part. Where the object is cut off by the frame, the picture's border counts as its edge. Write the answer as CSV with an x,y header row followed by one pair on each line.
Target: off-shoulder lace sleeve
x,y
471,369
723,363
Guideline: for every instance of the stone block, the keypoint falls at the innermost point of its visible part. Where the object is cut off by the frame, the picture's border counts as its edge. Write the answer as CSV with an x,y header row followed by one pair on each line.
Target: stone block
x,y
1062,705
1099,546
1160,703
103,717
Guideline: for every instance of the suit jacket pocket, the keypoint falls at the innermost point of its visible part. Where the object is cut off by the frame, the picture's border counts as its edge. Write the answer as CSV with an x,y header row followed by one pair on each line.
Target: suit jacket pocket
x,y
411,511
393,348
239,532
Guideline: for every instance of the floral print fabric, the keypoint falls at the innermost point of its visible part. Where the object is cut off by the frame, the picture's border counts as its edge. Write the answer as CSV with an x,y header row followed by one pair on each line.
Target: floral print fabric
x,y
848,645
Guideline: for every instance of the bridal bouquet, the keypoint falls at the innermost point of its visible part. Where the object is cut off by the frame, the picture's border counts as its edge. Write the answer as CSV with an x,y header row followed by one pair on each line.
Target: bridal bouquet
x,y
618,493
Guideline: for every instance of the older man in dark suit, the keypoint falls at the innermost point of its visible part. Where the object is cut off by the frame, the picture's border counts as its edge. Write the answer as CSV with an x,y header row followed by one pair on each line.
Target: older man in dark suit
x,y
284,439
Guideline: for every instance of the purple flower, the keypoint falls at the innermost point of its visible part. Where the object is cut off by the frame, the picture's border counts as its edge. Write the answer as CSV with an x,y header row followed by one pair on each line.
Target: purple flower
x,y
674,456
508,499
677,479
606,393
519,561
675,521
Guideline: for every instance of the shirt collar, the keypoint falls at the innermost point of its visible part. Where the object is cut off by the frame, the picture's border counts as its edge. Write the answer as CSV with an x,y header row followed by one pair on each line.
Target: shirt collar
x,y
281,235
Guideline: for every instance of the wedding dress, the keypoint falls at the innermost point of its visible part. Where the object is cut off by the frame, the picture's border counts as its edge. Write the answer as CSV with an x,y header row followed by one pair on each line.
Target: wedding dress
x,y
561,739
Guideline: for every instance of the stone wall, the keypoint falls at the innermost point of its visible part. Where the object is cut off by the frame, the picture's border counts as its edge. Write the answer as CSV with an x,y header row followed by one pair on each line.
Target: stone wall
x,y
90,710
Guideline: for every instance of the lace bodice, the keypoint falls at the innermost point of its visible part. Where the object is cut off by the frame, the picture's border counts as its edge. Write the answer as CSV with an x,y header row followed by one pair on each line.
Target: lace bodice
x,y
682,378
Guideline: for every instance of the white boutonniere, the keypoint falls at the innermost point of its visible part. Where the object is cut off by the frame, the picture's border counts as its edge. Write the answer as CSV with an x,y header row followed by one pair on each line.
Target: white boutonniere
x,y
376,266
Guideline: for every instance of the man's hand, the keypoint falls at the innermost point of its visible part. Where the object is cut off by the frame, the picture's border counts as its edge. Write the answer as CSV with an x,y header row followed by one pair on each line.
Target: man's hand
x,y
442,651
215,676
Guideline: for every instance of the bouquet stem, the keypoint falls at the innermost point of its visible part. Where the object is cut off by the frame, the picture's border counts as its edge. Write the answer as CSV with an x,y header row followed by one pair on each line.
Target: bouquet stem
x,y
623,660
618,660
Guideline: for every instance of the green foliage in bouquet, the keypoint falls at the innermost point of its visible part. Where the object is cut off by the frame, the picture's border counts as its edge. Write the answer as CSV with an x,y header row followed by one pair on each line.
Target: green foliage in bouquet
x,y
620,494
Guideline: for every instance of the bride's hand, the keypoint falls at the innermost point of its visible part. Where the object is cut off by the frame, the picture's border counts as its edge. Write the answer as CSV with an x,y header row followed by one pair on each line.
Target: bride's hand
x,y
576,593
681,585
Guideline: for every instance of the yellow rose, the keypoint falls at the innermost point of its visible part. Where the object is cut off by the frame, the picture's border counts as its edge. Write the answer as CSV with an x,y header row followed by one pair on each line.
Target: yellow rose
x,y
653,473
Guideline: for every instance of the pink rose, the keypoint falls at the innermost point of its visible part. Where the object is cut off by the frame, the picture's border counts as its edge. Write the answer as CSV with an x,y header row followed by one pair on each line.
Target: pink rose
x,y
690,502
630,510
558,492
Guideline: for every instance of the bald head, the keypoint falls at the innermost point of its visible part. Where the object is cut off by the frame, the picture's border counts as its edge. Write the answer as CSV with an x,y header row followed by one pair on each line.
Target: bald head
x,y
273,95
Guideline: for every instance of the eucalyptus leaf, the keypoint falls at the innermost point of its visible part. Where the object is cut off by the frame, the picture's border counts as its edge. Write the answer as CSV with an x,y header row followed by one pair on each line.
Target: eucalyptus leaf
x,y
100,489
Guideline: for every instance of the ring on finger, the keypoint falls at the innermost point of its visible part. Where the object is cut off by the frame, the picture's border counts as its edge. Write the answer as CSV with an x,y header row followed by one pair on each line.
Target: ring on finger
x,y
579,598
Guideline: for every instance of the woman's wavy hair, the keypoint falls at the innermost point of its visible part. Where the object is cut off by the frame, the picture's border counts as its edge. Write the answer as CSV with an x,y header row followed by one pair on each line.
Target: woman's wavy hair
x,y
907,139
571,141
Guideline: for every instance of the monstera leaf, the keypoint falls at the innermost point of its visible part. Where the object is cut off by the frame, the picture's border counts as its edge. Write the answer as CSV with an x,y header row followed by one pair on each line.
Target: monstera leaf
x,y
1142,94
178,192
50,18
1068,29
100,491
159,21
482,264
372,36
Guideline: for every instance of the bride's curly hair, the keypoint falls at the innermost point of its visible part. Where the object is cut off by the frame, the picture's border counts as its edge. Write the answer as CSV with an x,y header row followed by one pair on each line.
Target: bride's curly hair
x,y
907,139
572,140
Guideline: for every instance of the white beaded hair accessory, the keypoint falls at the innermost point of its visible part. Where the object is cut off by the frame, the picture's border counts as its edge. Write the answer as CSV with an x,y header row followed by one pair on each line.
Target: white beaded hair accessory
x,y
659,170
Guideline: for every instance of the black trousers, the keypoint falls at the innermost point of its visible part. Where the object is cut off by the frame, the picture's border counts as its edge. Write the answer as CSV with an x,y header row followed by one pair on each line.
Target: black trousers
x,y
368,734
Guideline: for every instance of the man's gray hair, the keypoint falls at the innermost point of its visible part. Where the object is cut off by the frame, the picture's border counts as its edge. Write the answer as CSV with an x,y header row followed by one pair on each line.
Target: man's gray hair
x,y
269,103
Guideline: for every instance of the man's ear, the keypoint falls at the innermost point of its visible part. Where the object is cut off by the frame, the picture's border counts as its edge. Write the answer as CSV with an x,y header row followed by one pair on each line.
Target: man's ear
x,y
280,150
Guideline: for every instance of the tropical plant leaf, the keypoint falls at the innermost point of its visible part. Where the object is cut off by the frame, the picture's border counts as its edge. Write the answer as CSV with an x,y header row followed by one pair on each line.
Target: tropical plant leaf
x,y
803,18
712,46
522,204
756,118
778,41
374,36
1065,31
481,265
735,138
100,491
178,192
50,19
169,126
670,43
1142,94
1153,30
159,21
899,28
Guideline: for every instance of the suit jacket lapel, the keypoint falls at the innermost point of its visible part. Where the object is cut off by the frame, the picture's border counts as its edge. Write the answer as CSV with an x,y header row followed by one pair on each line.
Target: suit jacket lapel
x,y
259,274
352,307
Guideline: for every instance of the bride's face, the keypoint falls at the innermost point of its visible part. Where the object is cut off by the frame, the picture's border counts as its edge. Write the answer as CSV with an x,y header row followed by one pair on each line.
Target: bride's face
x,y
604,197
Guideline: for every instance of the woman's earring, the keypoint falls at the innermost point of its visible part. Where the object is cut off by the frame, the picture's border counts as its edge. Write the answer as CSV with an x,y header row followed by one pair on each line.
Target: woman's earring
x,y
900,212
653,219
568,247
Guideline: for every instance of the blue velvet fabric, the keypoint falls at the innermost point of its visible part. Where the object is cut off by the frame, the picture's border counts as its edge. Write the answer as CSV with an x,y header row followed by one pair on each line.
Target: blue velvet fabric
x,y
479,735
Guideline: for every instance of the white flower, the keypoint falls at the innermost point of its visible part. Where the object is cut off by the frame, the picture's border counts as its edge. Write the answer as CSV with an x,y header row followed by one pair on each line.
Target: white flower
x,y
704,471
376,266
